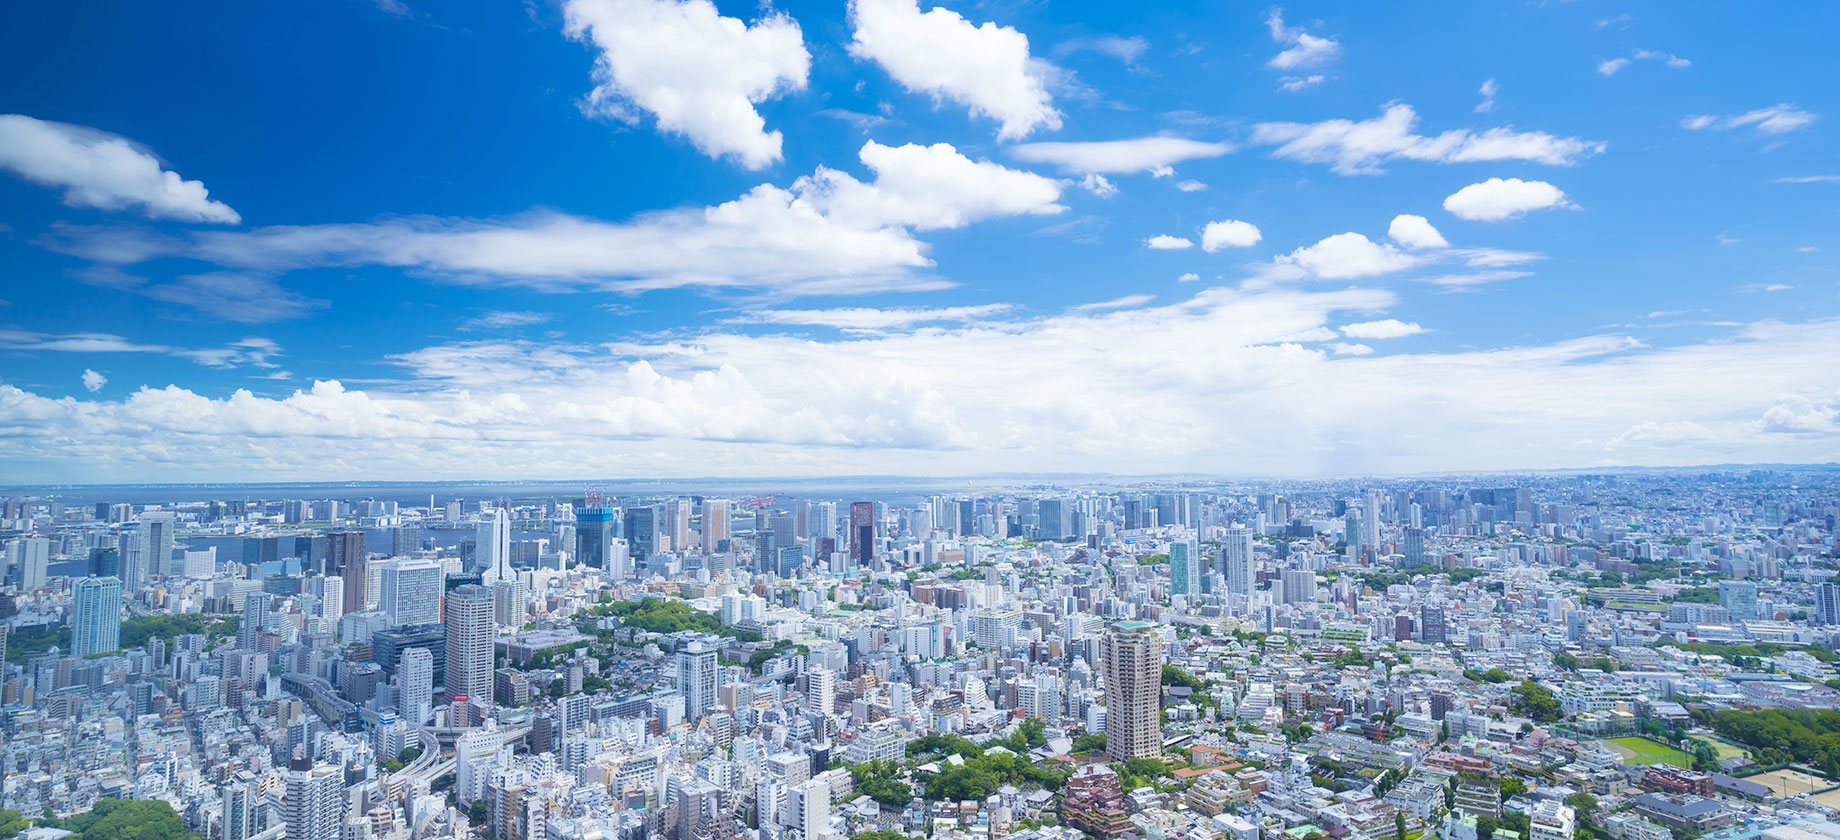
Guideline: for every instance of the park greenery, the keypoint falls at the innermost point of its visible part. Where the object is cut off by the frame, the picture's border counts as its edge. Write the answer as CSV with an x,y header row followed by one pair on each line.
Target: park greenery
x,y
1808,736
124,819
25,643
980,774
1535,701
657,615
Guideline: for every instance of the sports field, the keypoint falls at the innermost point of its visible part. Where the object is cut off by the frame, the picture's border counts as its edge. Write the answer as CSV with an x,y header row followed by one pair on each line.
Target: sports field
x,y
1786,783
1638,750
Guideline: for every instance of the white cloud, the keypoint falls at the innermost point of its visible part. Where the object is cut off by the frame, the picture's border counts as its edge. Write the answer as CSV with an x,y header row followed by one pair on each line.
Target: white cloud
x,y
985,68
1142,154
1359,148
1082,391
830,233
1384,328
868,319
505,319
1126,302
1098,185
1165,242
1488,91
1188,277
1769,122
1609,67
1415,232
1190,186
93,380
1499,199
1303,49
1126,50
1292,84
235,296
254,351
698,73
1470,281
1230,233
1809,179
1752,288
1669,59
102,170
1348,255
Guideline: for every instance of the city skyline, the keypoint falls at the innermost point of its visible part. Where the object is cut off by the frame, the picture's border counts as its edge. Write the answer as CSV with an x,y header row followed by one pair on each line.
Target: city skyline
x,y
1323,239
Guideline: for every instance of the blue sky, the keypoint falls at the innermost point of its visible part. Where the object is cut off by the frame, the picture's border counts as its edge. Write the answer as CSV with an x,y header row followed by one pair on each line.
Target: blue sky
x,y
644,237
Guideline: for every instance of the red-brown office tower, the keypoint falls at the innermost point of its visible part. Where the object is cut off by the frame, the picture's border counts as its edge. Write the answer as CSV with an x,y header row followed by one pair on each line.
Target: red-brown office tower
x,y
862,532
345,557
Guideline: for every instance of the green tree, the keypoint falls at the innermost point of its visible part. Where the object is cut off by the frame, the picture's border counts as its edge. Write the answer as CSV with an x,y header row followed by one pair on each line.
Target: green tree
x,y
1536,701
125,819
11,823
1512,786
1399,825
880,781
1034,731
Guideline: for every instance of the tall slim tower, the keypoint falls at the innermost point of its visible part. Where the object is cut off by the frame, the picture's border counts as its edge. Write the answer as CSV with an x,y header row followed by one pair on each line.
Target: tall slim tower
x,y
156,540
312,805
493,561
715,524
1133,656
1184,569
698,679
256,606
1236,556
643,533
346,557
96,622
862,532
594,535
415,684
469,641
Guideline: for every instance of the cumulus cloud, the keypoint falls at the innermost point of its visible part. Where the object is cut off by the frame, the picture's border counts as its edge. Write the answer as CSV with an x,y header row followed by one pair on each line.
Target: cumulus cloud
x,y
986,68
1190,186
1302,48
869,319
1609,67
1359,148
699,74
93,380
1165,242
1292,84
1098,185
102,170
1415,232
1230,233
1348,255
1078,393
1499,199
1777,119
1142,154
1384,328
830,233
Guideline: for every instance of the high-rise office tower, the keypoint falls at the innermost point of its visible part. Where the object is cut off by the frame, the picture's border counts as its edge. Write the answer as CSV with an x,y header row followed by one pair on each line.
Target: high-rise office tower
x,y
312,803
1431,625
1184,568
1053,516
1299,586
862,532
346,557
409,591
595,529
508,602
676,525
1236,557
643,533
28,560
493,540
1414,546
156,541
1133,660
1370,519
715,524
699,679
415,684
470,628
95,622
823,525
256,606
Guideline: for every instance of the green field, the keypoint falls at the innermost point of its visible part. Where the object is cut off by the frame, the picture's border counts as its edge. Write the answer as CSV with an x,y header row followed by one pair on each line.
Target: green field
x,y
1637,750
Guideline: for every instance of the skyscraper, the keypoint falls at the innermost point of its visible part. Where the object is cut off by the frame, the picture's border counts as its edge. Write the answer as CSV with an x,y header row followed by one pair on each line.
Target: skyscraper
x,y
643,534
469,642
821,691
698,679
346,557
594,534
1184,568
156,542
409,592
715,524
1236,556
677,524
256,606
1739,597
493,546
415,684
1299,586
1133,664
96,617
241,798
862,532
29,558
1431,625
1827,604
